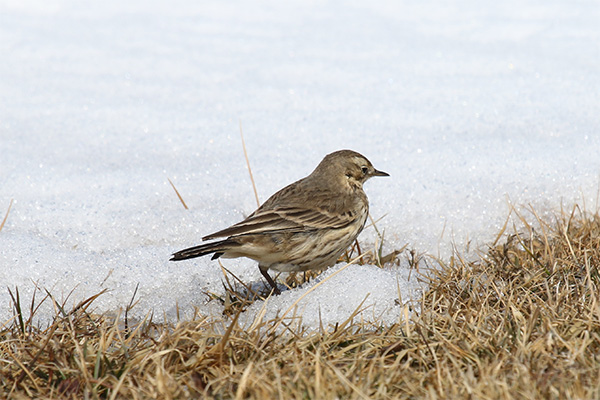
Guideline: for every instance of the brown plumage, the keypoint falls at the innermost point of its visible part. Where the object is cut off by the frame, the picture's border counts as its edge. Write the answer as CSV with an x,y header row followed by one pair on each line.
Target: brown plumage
x,y
306,225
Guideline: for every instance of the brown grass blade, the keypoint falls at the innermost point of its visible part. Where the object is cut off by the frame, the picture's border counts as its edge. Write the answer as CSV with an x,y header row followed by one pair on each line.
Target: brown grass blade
x,y
248,165
178,195
6,216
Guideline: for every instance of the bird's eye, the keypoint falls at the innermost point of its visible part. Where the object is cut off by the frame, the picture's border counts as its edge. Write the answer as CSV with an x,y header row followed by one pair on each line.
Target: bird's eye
x,y
365,170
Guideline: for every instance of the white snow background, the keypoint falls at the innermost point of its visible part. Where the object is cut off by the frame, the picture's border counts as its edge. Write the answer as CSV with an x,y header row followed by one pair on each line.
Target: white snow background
x,y
469,105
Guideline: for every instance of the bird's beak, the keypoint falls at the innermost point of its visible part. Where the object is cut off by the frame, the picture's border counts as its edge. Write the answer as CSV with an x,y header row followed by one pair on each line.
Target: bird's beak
x,y
380,173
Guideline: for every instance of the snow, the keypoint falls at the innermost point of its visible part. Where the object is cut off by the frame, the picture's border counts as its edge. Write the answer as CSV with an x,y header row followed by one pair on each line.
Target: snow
x,y
470,106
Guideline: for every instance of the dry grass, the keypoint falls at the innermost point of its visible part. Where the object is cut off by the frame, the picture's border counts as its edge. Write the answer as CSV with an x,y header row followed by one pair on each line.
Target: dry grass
x,y
522,321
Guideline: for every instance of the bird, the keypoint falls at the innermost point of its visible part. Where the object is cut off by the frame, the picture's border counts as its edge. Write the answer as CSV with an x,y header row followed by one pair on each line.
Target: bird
x,y
305,226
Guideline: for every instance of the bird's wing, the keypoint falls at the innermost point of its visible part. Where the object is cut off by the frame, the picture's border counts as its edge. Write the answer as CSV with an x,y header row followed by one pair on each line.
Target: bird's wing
x,y
287,219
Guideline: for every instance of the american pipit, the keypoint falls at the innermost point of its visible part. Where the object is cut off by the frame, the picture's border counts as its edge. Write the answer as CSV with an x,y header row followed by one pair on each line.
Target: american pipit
x,y
306,225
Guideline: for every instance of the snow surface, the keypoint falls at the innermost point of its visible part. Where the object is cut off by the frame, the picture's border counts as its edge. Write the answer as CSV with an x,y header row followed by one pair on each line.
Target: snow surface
x,y
469,105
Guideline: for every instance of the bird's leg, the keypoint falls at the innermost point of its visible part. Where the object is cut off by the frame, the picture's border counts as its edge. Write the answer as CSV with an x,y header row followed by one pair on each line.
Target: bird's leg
x,y
263,271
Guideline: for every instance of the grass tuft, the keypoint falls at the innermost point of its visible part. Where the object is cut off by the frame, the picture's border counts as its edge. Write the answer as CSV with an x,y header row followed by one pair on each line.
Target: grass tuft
x,y
520,321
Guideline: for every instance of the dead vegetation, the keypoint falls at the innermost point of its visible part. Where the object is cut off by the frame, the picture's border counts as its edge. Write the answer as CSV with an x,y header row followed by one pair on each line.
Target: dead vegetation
x,y
522,321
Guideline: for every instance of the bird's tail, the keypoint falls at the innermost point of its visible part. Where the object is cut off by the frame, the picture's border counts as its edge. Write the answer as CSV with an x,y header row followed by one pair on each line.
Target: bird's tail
x,y
218,248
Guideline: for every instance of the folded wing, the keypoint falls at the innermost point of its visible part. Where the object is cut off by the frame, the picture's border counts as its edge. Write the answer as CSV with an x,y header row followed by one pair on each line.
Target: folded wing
x,y
291,219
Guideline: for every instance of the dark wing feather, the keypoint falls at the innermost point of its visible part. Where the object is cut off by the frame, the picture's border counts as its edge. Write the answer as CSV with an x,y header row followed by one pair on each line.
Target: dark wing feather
x,y
286,219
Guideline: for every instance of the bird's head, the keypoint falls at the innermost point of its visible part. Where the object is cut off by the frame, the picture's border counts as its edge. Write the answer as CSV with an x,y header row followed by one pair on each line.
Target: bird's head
x,y
349,166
